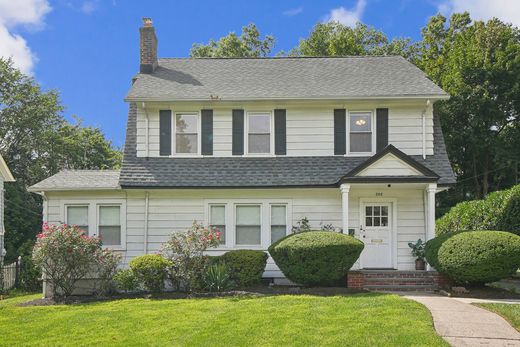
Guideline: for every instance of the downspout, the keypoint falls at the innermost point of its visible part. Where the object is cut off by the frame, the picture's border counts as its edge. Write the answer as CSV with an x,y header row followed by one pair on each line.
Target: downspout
x,y
424,129
146,203
146,135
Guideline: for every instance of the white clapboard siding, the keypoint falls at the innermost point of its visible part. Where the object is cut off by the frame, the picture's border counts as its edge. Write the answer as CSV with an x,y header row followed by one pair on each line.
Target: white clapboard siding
x,y
175,210
389,165
310,129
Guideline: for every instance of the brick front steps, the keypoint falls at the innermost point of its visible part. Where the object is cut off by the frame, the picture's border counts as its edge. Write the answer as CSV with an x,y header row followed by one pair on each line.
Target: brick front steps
x,y
394,280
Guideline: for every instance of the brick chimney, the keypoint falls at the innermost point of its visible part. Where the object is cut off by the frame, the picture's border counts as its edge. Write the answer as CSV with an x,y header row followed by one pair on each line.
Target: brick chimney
x,y
148,47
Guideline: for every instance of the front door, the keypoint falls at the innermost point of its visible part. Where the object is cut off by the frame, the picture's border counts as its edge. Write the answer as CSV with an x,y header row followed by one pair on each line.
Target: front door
x,y
376,234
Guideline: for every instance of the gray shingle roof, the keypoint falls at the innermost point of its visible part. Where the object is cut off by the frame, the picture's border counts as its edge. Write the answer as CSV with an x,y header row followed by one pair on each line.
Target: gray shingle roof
x,y
78,180
283,78
235,172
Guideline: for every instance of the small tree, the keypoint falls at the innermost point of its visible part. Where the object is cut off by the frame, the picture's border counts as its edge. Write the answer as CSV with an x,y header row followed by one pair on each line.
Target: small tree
x,y
66,255
186,251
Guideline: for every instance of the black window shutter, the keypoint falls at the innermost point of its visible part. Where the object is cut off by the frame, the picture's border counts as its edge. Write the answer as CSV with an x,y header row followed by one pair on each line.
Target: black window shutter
x,y
381,128
340,129
238,132
207,132
165,132
280,132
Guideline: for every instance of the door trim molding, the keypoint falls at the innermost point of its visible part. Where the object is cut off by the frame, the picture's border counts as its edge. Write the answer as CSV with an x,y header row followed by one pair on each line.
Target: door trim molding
x,y
394,242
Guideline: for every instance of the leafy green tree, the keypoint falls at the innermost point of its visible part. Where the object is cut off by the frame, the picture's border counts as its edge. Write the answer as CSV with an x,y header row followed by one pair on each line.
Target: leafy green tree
x,y
336,39
37,142
248,45
478,64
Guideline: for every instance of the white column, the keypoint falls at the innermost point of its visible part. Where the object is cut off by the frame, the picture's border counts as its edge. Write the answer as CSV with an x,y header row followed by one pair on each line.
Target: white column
x,y
430,215
344,188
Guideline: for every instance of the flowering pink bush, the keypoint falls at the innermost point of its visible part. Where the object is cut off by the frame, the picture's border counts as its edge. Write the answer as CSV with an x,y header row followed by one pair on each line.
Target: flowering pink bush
x,y
186,251
66,255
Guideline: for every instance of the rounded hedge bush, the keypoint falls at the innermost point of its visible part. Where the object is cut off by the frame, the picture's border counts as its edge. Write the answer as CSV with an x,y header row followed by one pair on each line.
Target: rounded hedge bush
x,y
151,271
246,266
475,257
316,257
498,211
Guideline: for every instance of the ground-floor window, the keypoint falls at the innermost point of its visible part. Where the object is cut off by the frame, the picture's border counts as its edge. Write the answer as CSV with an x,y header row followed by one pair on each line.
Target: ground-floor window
x,y
104,219
249,222
248,225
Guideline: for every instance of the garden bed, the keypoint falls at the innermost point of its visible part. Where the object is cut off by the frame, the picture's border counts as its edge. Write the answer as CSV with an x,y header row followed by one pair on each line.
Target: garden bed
x,y
485,292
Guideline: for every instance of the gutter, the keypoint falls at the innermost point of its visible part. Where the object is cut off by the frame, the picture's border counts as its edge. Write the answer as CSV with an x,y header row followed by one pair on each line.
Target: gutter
x,y
325,98
146,209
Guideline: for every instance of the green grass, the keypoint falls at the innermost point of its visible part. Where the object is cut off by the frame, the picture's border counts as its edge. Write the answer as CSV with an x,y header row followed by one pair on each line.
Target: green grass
x,y
356,320
511,312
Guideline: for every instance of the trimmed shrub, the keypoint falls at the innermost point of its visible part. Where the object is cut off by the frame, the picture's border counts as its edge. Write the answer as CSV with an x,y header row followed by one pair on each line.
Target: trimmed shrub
x,y
498,211
316,257
245,266
126,281
151,271
475,257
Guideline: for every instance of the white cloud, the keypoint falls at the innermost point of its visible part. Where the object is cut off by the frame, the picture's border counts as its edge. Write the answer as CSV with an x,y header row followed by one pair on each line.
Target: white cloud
x,y
505,10
293,11
345,16
14,14
88,7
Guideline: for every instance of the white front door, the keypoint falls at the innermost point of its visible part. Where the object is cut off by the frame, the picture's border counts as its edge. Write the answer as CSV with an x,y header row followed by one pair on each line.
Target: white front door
x,y
376,233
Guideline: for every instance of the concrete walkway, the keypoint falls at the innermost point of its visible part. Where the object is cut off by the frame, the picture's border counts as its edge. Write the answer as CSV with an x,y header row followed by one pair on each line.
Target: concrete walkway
x,y
463,324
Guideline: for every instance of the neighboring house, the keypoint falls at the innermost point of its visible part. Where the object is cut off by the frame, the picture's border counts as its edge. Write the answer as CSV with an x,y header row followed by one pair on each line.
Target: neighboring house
x,y
5,176
251,146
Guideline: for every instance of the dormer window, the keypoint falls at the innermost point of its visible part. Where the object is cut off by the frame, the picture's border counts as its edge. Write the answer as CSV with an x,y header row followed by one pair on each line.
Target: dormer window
x,y
360,132
186,133
259,133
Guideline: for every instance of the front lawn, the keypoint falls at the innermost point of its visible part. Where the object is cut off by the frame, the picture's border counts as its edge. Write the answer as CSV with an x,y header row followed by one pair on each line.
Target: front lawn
x,y
510,312
299,320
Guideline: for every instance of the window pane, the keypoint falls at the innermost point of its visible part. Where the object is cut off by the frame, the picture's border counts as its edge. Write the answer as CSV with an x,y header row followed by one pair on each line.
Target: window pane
x,y
217,215
384,221
377,210
360,122
186,123
368,210
248,235
248,215
259,124
186,143
278,215
384,210
376,221
360,142
259,143
277,232
110,235
368,221
109,215
77,215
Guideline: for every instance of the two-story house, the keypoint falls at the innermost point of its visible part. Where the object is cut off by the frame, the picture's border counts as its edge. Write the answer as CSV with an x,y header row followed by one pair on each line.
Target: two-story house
x,y
251,146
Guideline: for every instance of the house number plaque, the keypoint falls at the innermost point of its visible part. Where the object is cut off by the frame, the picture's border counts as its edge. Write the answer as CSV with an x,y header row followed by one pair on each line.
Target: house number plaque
x,y
379,194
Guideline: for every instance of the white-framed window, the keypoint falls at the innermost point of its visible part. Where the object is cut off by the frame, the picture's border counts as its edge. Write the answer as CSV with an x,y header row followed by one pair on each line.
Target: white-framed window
x,y
278,222
361,130
77,215
105,219
259,130
248,224
109,224
217,220
187,133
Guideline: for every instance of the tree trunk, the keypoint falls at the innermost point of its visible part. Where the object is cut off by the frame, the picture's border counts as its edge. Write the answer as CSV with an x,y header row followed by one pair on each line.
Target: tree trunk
x,y
475,178
485,178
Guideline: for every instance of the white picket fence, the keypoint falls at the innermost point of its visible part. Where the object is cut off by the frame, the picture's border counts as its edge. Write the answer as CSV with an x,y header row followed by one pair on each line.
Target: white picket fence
x,y
9,276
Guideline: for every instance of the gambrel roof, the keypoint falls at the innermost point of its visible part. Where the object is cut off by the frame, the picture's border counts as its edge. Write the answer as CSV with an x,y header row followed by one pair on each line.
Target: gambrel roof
x,y
305,78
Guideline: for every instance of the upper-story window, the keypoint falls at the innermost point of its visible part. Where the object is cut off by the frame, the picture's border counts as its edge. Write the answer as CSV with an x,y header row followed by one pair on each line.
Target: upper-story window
x,y
259,133
360,132
186,133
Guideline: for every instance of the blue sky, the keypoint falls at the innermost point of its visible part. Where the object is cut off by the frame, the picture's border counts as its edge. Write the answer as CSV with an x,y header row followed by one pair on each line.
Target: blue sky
x,y
88,49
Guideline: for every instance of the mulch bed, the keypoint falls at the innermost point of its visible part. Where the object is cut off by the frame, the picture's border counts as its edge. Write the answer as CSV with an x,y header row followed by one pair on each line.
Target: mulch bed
x,y
250,292
485,292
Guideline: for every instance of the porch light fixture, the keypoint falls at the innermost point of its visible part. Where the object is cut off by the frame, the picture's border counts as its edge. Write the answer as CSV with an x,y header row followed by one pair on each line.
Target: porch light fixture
x,y
361,122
